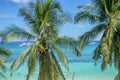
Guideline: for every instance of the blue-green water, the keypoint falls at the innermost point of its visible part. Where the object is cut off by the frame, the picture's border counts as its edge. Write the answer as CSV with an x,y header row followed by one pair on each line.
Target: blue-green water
x,y
82,68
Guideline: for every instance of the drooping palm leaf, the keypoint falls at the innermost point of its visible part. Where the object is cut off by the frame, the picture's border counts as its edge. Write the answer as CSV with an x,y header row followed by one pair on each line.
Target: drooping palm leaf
x,y
61,55
92,34
69,44
32,60
15,32
84,16
20,59
4,52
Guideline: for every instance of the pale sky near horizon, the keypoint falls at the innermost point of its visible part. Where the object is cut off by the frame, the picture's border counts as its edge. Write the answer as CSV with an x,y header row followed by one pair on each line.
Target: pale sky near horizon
x,y
9,15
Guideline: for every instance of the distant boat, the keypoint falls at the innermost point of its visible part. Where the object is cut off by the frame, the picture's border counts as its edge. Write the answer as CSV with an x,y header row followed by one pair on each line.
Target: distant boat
x,y
25,44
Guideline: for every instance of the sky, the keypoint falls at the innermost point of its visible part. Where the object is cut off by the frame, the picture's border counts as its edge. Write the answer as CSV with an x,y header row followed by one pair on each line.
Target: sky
x,y
10,8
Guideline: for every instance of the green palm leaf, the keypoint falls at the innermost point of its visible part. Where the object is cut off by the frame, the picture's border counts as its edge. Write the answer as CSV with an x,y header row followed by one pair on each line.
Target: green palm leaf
x,y
83,16
16,32
5,52
20,59
32,60
92,34
68,43
62,57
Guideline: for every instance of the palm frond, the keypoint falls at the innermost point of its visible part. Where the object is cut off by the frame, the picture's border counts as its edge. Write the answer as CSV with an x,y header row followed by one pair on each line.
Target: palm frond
x,y
3,67
28,16
32,60
2,60
61,55
5,52
68,43
20,59
100,8
106,53
86,15
92,34
2,75
97,53
15,32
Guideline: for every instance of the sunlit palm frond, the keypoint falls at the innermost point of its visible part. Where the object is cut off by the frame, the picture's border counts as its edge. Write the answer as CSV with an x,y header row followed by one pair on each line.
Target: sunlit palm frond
x,y
28,16
100,8
32,60
20,59
106,52
61,55
92,34
2,60
15,32
55,6
116,45
69,44
84,16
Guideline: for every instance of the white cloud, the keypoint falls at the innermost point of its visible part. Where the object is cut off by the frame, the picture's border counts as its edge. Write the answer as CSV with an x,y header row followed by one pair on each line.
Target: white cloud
x,y
21,1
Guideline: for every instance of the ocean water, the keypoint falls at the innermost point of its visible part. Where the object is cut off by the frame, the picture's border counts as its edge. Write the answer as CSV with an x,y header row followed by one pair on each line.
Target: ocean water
x,y
80,68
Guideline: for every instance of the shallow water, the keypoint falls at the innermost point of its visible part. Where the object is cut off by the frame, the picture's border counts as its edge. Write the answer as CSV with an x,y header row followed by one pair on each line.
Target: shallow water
x,y
82,68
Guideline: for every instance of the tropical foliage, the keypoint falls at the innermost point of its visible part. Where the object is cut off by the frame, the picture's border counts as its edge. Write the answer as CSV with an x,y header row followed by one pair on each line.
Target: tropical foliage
x,y
106,16
43,17
4,53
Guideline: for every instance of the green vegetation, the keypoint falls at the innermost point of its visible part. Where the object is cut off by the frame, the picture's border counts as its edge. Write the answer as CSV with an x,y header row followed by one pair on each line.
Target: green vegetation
x,y
106,15
44,17
4,53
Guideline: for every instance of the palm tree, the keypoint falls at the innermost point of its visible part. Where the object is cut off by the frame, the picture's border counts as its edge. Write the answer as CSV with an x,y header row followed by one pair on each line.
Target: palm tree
x,y
105,14
44,17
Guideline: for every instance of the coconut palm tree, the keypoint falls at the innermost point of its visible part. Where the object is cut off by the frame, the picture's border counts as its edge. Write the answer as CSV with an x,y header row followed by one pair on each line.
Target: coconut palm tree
x,y
106,16
44,17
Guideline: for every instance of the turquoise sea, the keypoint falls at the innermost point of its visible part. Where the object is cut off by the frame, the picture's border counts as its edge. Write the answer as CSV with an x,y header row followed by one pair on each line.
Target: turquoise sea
x,y
81,68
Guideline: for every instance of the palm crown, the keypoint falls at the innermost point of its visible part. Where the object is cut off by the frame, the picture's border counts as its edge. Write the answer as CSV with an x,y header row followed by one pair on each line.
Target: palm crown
x,y
106,15
44,17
